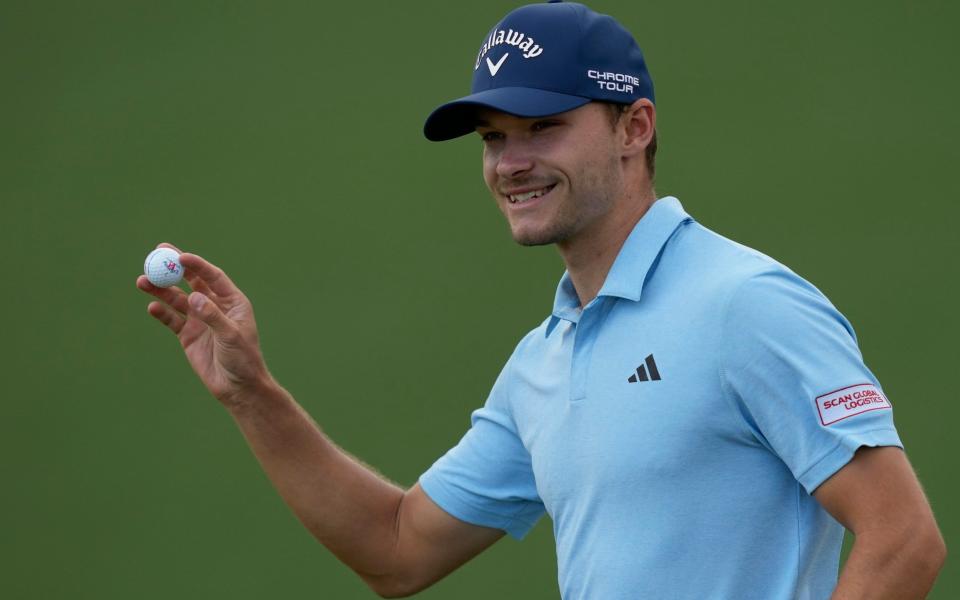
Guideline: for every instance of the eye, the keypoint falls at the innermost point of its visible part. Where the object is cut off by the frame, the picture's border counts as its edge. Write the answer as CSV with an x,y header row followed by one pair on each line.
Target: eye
x,y
491,136
541,125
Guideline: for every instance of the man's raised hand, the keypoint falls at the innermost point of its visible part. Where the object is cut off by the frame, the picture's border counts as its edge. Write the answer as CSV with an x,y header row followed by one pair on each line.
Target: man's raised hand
x,y
215,326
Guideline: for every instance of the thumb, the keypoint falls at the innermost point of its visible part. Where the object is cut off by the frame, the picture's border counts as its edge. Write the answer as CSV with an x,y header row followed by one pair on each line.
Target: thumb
x,y
208,312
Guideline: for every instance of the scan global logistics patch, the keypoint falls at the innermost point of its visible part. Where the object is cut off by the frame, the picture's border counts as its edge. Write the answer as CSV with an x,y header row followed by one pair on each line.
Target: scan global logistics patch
x,y
850,401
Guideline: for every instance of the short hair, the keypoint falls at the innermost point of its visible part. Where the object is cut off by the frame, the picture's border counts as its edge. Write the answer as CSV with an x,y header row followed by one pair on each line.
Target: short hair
x,y
615,110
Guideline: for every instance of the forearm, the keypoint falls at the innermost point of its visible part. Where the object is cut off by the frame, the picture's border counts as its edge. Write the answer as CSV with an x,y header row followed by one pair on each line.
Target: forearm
x,y
346,506
883,566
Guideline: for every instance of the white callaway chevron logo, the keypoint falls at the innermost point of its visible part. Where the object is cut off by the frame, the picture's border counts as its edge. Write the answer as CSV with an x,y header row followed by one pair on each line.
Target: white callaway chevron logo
x,y
524,43
496,67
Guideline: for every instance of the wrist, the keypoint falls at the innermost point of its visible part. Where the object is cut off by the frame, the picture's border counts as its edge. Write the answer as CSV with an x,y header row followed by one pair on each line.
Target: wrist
x,y
260,391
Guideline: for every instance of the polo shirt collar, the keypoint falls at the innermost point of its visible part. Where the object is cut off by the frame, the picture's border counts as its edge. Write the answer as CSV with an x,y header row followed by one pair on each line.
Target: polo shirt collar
x,y
633,262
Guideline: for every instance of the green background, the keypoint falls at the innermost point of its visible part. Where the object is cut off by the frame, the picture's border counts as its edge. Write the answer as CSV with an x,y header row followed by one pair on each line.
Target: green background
x,y
282,141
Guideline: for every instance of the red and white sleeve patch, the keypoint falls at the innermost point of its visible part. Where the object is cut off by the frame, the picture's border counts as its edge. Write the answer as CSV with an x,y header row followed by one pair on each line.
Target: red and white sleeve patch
x,y
850,401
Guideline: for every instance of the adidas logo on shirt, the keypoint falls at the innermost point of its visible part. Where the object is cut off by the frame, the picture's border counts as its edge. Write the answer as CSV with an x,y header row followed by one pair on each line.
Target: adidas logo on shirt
x,y
646,372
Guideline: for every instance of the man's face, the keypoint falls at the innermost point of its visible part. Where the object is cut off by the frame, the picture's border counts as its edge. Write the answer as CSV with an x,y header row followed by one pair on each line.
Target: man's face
x,y
552,177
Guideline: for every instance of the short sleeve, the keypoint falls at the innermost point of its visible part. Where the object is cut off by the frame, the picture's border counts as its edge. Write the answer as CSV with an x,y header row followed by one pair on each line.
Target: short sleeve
x,y
487,478
791,364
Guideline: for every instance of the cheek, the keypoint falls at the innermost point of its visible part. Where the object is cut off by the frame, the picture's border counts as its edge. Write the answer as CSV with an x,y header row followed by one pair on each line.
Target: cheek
x,y
600,166
489,172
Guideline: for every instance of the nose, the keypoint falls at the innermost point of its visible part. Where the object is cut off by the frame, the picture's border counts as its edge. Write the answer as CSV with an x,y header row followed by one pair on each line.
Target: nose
x,y
515,159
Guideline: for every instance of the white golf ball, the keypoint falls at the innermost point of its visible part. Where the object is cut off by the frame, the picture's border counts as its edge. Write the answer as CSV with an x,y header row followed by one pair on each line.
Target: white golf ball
x,y
163,268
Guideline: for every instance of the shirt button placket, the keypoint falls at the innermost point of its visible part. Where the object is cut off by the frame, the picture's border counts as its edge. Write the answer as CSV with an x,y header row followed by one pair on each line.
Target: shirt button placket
x,y
584,338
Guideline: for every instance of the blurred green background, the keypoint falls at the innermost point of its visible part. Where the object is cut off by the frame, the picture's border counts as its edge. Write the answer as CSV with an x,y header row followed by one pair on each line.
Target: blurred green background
x,y
282,141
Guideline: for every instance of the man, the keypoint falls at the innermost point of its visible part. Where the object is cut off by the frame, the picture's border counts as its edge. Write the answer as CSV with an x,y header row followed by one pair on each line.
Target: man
x,y
694,417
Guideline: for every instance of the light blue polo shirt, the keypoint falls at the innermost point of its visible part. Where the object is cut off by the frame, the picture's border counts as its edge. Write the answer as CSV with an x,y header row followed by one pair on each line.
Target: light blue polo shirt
x,y
675,428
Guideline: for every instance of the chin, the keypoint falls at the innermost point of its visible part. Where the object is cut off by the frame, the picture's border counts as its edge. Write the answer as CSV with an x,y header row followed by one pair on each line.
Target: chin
x,y
527,241
539,238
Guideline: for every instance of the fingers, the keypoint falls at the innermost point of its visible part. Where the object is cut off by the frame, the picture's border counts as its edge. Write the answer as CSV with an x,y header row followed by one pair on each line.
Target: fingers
x,y
166,315
207,281
207,311
192,276
197,284
173,296
176,305
203,277
211,275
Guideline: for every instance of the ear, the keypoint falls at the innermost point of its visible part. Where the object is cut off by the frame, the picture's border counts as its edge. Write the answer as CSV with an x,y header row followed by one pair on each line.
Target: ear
x,y
639,121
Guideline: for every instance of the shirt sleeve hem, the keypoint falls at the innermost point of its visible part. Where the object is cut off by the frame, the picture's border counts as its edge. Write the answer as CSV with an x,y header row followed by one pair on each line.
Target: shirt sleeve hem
x,y
444,497
840,455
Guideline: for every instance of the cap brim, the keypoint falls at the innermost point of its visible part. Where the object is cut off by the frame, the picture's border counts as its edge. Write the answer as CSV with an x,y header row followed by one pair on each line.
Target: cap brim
x,y
459,117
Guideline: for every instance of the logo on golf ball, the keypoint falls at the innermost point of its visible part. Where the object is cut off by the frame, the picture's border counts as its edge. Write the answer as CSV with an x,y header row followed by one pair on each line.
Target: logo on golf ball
x,y
162,267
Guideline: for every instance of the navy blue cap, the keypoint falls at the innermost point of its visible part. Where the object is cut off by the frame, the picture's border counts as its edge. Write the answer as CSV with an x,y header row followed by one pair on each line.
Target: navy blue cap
x,y
544,59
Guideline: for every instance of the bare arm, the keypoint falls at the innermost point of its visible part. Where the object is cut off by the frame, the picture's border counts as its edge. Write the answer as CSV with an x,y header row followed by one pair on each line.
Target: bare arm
x,y
398,541
898,549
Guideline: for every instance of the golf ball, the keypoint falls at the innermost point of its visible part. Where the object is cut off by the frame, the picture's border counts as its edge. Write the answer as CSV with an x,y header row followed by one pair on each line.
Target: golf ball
x,y
163,268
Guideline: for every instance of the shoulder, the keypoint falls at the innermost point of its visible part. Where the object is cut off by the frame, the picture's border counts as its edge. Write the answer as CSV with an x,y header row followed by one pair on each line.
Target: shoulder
x,y
740,286
528,348
719,258
531,344
722,271
765,311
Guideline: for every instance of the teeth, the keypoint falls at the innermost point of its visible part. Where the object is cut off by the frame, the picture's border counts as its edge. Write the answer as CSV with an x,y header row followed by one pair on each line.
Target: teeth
x,y
516,198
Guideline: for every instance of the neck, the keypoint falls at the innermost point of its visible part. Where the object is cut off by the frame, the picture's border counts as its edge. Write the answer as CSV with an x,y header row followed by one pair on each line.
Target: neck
x,y
590,255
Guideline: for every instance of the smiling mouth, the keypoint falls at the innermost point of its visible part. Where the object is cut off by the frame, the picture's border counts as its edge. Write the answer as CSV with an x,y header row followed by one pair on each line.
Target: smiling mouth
x,y
526,196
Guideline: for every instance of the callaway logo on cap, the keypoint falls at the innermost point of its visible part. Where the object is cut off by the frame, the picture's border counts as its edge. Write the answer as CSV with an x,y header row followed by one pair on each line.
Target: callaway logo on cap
x,y
544,59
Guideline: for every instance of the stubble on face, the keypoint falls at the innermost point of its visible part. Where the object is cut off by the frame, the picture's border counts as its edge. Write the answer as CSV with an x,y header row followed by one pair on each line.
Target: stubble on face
x,y
587,198
585,170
